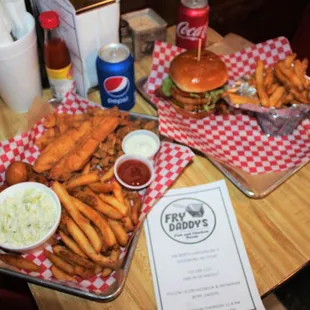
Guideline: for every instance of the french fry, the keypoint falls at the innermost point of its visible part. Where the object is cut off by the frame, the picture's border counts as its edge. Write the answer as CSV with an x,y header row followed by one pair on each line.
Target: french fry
x,y
108,175
272,88
305,63
117,191
106,272
115,256
84,273
19,262
299,96
71,244
98,220
276,96
127,223
80,220
85,245
119,232
100,187
288,98
60,263
269,78
81,180
104,246
238,99
300,72
86,169
304,93
279,104
291,75
98,269
90,198
112,201
283,79
118,194
52,241
63,227
60,275
128,204
289,60
259,75
73,258
135,211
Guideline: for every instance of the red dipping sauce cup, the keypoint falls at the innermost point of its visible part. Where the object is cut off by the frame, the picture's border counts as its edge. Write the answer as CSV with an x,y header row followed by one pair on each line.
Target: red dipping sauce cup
x,y
133,171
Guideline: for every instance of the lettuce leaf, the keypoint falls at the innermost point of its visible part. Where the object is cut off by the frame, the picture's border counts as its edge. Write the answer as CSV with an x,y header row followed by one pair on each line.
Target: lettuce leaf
x,y
193,95
166,86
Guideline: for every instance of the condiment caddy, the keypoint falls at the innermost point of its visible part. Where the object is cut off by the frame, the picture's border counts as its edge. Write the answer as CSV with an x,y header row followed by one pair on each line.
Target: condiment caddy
x,y
146,27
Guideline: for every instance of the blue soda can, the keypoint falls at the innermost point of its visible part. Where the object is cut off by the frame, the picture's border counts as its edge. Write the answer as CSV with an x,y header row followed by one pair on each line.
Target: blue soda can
x,y
116,77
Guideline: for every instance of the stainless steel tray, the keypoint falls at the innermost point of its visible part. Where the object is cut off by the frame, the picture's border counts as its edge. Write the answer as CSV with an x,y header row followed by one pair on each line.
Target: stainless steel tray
x,y
121,273
253,186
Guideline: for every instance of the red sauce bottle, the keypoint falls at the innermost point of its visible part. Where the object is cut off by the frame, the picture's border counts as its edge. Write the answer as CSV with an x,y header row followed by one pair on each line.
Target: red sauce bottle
x,y
56,55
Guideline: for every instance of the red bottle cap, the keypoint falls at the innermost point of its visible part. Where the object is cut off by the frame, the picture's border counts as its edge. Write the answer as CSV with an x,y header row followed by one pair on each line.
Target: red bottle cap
x,y
49,20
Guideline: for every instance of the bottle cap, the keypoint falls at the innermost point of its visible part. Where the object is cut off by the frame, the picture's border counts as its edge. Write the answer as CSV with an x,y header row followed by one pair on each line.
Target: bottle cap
x,y
49,20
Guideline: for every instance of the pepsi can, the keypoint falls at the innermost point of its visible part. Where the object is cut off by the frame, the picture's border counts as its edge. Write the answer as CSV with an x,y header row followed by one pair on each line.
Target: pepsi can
x,y
116,77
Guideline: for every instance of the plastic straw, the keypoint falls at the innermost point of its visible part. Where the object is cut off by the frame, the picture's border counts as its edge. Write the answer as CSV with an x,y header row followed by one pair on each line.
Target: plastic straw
x,y
16,10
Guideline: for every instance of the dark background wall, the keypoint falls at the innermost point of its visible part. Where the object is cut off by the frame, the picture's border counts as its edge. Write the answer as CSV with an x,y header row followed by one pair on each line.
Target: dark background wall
x,y
256,20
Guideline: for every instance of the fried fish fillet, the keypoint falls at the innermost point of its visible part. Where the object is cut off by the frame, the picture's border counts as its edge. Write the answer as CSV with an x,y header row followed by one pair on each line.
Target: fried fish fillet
x,y
76,159
60,147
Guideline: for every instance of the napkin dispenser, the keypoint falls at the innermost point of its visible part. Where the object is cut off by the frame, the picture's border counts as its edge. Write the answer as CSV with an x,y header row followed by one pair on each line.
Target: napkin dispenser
x,y
86,26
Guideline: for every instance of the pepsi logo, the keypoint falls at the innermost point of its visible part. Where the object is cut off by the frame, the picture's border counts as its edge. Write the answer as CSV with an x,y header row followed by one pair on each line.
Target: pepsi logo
x,y
116,86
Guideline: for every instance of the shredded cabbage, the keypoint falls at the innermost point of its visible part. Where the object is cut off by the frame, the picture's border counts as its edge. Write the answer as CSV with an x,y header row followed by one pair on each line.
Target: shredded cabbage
x,y
26,217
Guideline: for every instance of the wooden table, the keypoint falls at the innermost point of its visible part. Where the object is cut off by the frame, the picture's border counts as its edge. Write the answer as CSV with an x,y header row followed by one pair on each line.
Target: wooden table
x,y
275,229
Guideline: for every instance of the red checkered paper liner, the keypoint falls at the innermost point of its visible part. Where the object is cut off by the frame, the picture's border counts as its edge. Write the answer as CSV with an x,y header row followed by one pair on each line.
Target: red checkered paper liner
x,y
236,140
169,163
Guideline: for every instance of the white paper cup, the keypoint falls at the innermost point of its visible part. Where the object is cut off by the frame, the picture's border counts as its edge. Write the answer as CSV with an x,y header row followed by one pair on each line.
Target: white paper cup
x,y
19,70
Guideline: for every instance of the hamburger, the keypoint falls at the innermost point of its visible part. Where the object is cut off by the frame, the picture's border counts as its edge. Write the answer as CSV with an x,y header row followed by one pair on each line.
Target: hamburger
x,y
195,86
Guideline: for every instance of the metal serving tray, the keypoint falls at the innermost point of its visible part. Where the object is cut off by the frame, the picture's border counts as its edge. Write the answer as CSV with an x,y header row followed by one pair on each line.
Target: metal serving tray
x,y
121,274
253,186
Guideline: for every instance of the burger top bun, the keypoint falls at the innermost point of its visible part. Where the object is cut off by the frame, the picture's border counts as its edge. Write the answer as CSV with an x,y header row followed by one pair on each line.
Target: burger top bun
x,y
191,75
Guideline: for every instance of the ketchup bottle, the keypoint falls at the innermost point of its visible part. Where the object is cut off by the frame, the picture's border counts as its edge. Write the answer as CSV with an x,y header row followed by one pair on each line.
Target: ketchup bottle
x,y
56,56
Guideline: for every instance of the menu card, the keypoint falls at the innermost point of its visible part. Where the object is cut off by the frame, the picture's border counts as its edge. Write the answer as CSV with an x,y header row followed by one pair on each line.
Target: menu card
x,y
196,251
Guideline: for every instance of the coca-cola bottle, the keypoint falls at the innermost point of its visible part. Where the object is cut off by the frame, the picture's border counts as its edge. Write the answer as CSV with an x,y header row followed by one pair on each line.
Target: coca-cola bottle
x,y
192,24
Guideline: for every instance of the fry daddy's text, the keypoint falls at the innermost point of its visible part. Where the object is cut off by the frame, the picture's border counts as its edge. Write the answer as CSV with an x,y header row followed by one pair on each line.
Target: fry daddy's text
x,y
179,221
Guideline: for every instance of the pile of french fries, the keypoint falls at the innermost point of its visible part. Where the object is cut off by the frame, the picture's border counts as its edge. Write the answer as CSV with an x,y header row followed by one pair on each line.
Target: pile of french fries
x,y
285,83
95,223
279,86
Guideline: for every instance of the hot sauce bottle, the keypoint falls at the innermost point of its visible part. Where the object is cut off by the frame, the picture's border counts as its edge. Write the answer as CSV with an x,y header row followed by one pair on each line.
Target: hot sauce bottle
x,y
56,56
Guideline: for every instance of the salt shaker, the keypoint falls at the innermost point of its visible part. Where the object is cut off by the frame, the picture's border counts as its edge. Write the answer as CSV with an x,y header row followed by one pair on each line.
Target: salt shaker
x,y
125,35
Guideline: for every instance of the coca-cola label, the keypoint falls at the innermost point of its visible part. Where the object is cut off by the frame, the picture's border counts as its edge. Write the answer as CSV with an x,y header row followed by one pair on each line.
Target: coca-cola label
x,y
184,31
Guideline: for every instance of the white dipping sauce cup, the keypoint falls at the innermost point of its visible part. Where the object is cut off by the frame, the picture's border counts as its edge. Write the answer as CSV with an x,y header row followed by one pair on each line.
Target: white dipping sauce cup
x,y
137,150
